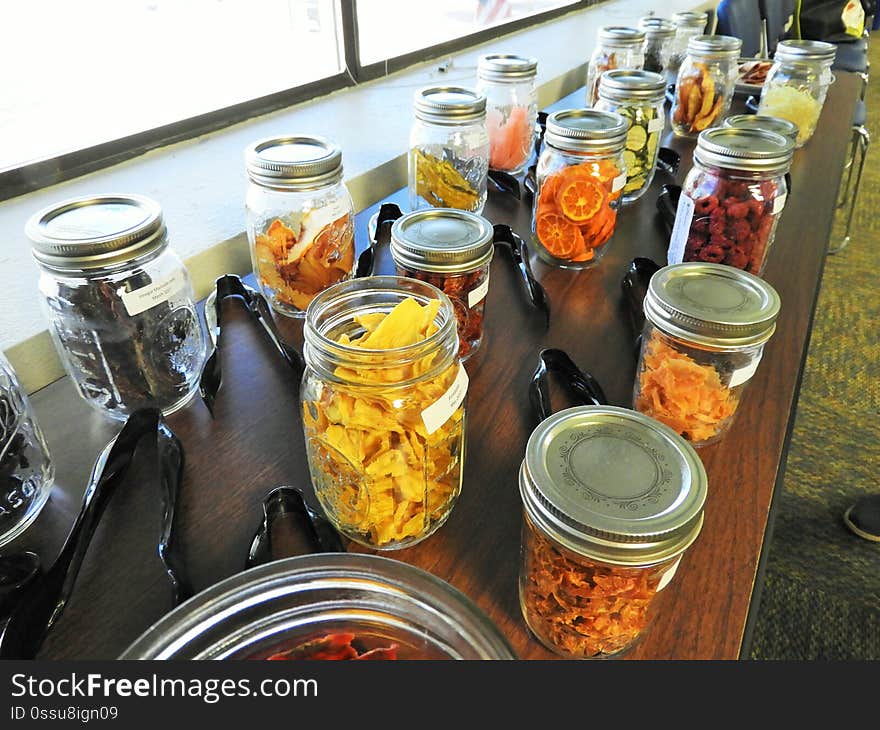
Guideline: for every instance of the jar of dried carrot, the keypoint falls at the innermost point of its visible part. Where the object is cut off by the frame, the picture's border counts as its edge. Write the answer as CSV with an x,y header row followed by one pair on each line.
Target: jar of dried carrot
x,y
611,499
451,249
580,175
383,399
705,330
299,218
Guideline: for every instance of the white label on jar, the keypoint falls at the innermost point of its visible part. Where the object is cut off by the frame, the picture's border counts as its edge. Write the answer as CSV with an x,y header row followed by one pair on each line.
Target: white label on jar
x,y
741,375
656,124
779,203
441,410
667,576
475,296
147,297
678,239
618,182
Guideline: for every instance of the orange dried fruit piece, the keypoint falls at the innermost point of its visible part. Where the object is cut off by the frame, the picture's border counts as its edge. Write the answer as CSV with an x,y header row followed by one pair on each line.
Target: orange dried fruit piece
x,y
558,236
581,199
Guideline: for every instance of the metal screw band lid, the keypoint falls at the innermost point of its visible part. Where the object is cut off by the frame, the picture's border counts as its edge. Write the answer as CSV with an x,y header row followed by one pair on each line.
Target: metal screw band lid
x,y
296,162
655,27
613,484
805,50
763,122
632,85
617,36
449,104
753,150
586,130
92,232
714,46
712,304
442,240
506,67
691,19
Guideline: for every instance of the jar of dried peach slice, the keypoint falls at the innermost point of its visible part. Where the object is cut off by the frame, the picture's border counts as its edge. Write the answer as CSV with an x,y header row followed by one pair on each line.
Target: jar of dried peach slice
x,y
611,501
383,398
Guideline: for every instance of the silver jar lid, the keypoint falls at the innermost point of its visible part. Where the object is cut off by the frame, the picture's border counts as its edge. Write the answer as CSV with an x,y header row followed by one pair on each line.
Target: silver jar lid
x,y
449,104
632,85
298,162
93,232
753,150
763,122
655,27
586,130
712,304
613,484
804,50
691,19
506,67
714,46
618,36
442,240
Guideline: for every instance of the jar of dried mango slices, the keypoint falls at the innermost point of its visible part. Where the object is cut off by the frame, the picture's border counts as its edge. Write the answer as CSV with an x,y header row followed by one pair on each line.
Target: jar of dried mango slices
x,y
299,219
383,399
611,502
580,174
705,330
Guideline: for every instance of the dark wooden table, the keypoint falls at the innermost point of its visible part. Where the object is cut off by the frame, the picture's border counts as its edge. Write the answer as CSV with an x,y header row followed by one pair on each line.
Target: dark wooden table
x,y
255,443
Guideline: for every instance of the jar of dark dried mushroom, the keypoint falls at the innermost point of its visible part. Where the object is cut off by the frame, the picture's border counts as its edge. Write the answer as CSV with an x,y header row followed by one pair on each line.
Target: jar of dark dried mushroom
x,y
451,249
612,499
119,303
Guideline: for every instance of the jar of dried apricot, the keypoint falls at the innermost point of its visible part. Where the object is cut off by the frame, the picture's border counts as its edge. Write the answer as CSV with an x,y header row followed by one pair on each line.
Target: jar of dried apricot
x,y
705,330
611,502
580,176
383,398
299,218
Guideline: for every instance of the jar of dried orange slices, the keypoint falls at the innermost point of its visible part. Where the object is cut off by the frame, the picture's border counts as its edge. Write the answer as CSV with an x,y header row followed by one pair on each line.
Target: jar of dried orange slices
x,y
580,175
299,219
383,398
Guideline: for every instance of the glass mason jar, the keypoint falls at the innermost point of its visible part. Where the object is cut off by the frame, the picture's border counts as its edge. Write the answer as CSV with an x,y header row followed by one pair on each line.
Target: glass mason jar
x,y
797,83
508,83
580,176
639,97
659,38
119,303
603,536
704,334
383,399
341,604
451,249
26,469
705,84
732,199
616,47
778,125
300,219
687,25
448,150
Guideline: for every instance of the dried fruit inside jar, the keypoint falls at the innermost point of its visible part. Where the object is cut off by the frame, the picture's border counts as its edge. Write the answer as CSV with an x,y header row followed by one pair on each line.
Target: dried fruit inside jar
x,y
511,133
642,146
443,180
702,98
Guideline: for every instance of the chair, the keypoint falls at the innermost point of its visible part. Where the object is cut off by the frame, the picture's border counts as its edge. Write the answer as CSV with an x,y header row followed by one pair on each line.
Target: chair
x,y
861,140
778,16
741,18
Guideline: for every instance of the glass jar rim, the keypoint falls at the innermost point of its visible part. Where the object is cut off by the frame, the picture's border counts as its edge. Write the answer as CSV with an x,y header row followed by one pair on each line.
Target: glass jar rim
x,y
507,67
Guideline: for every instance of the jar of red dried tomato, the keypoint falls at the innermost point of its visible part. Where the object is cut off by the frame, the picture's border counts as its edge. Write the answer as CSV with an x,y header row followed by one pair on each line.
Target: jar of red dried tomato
x,y
611,499
580,174
451,249
732,198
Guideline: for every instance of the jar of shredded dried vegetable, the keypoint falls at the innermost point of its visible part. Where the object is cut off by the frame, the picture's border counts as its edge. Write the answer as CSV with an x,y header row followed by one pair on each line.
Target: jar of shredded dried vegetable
x,y
732,199
508,83
119,303
659,38
705,330
705,83
299,218
451,249
580,175
611,499
448,150
616,47
383,399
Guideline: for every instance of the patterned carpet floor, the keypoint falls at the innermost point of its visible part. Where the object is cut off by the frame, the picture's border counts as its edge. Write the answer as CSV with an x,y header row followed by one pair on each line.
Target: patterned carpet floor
x,y
821,596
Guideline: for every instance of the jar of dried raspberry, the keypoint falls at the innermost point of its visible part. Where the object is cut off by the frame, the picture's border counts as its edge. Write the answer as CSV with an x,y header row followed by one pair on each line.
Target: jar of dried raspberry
x,y
732,199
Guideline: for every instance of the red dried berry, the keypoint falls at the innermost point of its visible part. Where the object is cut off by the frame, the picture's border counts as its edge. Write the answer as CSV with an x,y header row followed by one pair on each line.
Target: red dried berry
x,y
705,205
738,210
756,206
701,226
711,254
737,189
737,257
721,241
739,229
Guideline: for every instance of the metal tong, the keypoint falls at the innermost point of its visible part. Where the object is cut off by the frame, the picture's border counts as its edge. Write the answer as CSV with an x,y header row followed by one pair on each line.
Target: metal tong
x,y
504,236
231,285
635,286
580,384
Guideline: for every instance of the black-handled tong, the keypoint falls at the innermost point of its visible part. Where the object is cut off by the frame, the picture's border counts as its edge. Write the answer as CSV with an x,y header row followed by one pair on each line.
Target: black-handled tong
x,y
388,213
505,237
231,285
581,385
667,205
635,286
169,473
668,160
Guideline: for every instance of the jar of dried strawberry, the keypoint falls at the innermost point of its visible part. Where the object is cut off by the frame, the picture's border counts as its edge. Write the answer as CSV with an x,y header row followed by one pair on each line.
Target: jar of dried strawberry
x,y
705,330
732,198
611,500
580,176
451,249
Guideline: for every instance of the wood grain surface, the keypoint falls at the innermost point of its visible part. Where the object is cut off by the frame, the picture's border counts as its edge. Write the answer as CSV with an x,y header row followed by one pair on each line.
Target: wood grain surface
x,y
255,443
